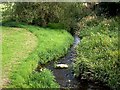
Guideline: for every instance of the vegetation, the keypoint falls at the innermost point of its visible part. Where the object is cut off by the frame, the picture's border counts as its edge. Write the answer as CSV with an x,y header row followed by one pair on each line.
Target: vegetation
x,y
52,44
17,44
97,54
46,14
107,9
97,24
44,79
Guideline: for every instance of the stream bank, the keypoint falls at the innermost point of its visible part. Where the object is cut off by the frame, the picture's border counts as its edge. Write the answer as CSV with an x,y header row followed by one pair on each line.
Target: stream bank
x,y
65,76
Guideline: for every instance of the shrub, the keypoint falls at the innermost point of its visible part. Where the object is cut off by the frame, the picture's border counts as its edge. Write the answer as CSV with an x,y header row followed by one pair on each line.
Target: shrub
x,y
107,9
97,54
105,26
55,25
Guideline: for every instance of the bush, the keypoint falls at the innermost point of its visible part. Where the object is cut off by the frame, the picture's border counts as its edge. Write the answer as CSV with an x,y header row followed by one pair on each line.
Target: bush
x,y
55,25
98,54
104,26
107,9
47,14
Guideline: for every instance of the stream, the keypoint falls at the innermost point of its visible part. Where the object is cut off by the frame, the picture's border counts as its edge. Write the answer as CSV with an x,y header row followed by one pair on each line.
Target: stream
x,y
65,77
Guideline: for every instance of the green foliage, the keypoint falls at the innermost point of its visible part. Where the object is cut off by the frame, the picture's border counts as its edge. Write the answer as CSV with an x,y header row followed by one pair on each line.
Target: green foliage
x,y
55,26
101,25
11,23
39,80
55,44
107,9
73,13
35,13
43,14
52,44
98,53
6,11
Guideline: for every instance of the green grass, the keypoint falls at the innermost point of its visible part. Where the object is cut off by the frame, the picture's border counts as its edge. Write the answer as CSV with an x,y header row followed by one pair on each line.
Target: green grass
x,y
45,79
17,44
51,44
97,54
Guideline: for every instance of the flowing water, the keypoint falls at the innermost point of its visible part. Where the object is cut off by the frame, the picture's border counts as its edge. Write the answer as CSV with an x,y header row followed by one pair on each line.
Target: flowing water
x,y
65,77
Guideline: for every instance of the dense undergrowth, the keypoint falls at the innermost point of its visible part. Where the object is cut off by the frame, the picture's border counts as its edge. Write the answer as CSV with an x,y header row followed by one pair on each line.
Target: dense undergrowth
x,y
97,54
52,44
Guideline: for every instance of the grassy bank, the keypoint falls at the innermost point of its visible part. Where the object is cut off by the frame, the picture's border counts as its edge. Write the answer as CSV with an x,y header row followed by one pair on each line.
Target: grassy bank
x,y
51,44
97,54
17,44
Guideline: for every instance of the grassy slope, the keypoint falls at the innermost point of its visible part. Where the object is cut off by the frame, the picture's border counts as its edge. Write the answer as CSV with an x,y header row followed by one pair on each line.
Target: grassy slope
x,y
17,44
98,52
52,44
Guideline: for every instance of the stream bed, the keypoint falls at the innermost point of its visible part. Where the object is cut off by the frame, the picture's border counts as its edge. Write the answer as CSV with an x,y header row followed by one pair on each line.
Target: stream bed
x,y
65,77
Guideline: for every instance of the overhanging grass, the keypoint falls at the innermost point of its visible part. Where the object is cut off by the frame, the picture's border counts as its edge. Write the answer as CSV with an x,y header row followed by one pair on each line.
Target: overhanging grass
x,y
52,44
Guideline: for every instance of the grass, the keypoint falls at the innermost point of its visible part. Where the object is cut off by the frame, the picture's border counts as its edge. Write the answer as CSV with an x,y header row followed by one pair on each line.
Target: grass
x,y
97,54
17,44
51,44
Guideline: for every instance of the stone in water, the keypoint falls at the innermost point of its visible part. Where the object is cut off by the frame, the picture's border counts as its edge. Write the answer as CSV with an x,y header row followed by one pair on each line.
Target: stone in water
x,y
61,66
